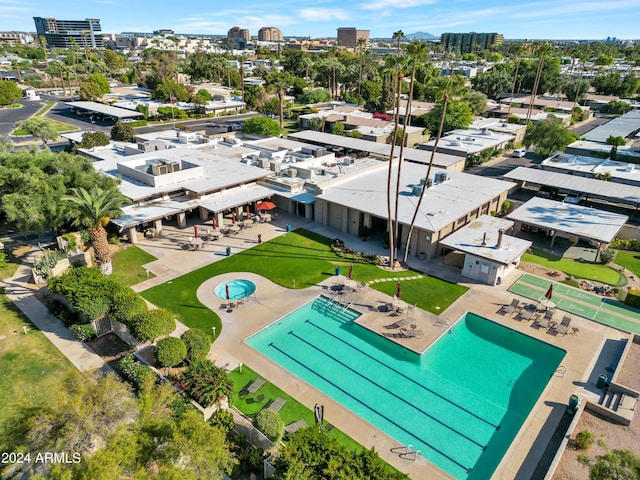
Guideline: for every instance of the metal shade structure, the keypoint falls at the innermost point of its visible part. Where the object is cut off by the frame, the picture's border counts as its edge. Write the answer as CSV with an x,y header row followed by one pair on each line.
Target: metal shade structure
x,y
265,205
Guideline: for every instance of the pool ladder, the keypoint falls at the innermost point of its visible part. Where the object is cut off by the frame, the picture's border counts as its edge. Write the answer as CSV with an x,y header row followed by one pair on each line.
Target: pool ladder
x,y
560,371
408,452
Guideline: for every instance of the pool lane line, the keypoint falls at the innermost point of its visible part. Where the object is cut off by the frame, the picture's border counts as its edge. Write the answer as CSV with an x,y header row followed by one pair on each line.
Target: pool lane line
x,y
475,415
398,397
411,434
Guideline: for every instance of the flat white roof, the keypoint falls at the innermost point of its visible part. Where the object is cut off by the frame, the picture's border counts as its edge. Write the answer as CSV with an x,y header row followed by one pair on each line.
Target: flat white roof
x,y
619,171
382,149
136,214
576,220
105,109
470,141
485,229
443,203
234,197
219,172
575,183
622,126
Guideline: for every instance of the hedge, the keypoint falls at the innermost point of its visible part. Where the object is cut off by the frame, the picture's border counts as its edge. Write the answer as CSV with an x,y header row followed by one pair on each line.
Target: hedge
x,y
152,324
170,351
633,298
197,342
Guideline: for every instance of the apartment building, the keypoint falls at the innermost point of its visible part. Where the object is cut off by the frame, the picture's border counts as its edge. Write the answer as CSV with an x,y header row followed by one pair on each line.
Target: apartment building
x,y
63,33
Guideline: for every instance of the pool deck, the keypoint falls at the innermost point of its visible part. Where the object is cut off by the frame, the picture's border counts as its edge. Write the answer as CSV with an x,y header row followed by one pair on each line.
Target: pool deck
x,y
586,356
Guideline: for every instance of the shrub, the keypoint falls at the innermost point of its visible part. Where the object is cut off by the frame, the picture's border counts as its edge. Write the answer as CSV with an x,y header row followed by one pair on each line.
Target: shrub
x,y
620,244
3,260
270,423
170,351
83,332
223,419
134,371
607,255
197,343
584,440
207,383
633,298
127,305
152,324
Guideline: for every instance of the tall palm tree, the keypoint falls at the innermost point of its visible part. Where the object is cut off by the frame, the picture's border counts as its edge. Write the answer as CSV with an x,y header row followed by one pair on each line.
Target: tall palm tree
x,y
93,209
543,50
399,35
416,52
518,50
42,41
362,46
424,187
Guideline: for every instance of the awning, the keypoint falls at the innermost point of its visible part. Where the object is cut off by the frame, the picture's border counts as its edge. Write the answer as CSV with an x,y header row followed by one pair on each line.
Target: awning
x,y
303,196
137,214
221,201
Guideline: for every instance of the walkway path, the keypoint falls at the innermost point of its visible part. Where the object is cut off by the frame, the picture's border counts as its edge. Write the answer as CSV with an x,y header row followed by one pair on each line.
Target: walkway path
x,y
579,302
23,294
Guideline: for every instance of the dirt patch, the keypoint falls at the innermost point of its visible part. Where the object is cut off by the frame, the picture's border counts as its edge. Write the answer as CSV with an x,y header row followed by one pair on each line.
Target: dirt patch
x,y
109,347
608,436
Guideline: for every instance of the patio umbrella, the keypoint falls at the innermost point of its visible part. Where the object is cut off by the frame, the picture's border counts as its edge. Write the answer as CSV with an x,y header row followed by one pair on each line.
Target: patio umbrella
x,y
195,231
549,293
265,206
226,290
351,272
398,290
213,223
248,212
233,218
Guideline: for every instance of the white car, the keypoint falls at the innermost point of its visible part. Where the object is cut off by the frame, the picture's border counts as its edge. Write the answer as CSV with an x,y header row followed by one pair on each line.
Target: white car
x,y
574,198
519,152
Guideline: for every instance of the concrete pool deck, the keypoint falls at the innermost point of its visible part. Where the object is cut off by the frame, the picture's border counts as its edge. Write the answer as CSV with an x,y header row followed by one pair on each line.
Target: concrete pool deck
x,y
586,356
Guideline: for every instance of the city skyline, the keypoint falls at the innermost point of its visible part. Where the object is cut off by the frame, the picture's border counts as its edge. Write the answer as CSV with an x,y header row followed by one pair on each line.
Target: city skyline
x,y
544,19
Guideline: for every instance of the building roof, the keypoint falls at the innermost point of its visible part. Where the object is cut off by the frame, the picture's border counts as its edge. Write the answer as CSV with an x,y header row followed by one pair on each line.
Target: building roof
x,y
218,173
115,112
623,126
469,141
590,166
443,203
480,238
574,183
381,149
577,220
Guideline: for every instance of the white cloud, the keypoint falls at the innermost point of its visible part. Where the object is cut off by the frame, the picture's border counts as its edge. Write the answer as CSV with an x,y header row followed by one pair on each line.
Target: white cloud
x,y
385,4
322,14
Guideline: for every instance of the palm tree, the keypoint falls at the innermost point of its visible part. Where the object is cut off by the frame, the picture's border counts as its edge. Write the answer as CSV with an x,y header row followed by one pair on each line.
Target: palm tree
x,y
399,35
93,209
416,51
42,41
362,45
518,50
74,44
543,50
424,187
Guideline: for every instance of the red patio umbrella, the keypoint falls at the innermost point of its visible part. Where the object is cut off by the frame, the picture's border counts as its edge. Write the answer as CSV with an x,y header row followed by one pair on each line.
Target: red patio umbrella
x,y
248,212
549,293
213,222
398,290
226,290
233,218
351,272
265,206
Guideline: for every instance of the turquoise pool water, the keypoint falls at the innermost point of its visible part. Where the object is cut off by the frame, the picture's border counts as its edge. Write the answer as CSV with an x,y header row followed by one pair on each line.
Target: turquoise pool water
x,y
461,403
238,289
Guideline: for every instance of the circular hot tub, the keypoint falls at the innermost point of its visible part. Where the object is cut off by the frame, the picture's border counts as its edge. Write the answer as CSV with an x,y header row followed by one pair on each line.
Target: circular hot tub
x,y
234,289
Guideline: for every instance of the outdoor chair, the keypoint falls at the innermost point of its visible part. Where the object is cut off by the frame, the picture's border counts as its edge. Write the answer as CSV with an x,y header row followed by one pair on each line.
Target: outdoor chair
x,y
411,333
277,404
527,312
509,309
295,426
563,328
400,323
255,385
546,321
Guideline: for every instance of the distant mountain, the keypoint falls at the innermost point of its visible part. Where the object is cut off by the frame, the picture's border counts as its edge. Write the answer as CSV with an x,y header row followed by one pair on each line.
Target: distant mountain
x,y
420,36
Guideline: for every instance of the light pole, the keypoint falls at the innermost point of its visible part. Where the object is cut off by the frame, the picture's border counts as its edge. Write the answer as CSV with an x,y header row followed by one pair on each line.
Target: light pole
x,y
214,331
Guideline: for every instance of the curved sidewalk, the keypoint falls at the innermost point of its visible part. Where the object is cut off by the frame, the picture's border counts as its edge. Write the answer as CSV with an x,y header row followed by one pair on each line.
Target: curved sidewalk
x,y
23,295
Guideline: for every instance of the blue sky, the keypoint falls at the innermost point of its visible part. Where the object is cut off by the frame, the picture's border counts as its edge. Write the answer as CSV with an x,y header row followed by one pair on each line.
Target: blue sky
x,y
584,19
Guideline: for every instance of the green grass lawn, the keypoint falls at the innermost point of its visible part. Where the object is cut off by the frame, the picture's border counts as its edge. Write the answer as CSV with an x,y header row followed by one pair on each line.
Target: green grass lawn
x,y
60,128
30,366
292,410
428,293
629,260
127,265
45,109
589,271
301,259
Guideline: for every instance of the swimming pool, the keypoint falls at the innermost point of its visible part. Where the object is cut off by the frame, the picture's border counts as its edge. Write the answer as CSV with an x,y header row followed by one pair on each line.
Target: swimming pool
x,y
238,289
461,403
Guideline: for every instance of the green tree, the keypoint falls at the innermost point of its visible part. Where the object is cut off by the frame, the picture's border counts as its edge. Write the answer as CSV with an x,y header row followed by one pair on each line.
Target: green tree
x,y
280,83
93,139
549,136
197,343
93,209
6,145
616,465
170,351
270,423
9,92
338,128
615,142
477,101
206,383
151,324
458,116
494,81
314,95
90,91
40,128
171,90
261,126
576,90
616,107
122,132
316,124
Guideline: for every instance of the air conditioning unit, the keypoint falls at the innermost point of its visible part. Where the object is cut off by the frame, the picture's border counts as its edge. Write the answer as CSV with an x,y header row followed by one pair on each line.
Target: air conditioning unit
x,y
417,190
441,177
430,183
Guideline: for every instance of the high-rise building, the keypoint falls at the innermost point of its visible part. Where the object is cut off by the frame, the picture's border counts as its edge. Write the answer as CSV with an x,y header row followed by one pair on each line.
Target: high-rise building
x,y
62,33
349,36
237,32
270,34
470,42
